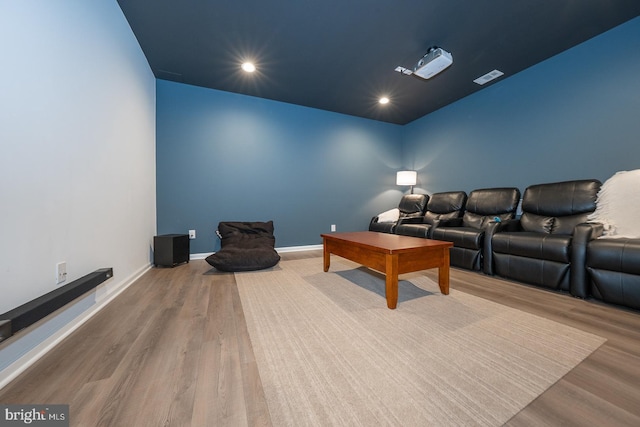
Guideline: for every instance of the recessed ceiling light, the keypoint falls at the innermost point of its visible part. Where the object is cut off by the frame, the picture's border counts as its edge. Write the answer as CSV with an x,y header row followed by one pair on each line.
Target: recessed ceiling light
x,y
384,100
248,67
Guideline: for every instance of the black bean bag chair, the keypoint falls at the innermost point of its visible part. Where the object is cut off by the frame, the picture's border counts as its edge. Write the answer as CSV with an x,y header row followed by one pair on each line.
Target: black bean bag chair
x,y
245,246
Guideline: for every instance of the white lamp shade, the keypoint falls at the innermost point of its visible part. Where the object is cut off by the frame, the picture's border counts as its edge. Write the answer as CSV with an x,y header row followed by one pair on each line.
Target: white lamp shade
x,y
406,178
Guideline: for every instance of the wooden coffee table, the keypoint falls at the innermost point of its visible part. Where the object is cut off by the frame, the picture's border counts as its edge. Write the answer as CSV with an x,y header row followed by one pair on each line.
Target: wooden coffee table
x,y
390,254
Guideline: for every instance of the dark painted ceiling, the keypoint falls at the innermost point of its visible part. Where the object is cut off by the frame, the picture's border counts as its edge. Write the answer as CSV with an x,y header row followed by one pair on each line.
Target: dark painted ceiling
x,y
340,55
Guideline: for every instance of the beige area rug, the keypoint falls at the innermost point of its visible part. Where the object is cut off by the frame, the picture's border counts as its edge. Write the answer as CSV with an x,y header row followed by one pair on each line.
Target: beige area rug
x,y
329,352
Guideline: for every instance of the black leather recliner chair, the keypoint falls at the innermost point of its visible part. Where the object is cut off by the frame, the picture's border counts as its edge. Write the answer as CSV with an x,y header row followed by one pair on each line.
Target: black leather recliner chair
x,y
613,267
544,247
411,205
441,206
471,234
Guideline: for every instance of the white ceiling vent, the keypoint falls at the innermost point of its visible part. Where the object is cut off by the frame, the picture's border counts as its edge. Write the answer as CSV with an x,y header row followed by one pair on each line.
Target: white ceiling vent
x,y
403,70
491,75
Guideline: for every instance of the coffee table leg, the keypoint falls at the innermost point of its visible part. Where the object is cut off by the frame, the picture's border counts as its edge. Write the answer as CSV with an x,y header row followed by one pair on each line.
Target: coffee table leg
x,y
326,256
443,273
391,281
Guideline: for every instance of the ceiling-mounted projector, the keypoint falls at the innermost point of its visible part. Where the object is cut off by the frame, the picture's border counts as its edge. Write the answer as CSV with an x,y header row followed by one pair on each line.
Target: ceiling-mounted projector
x,y
436,60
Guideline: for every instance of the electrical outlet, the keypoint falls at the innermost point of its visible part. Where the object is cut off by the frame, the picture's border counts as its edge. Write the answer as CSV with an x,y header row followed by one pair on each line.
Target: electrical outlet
x,y
192,234
61,272
333,227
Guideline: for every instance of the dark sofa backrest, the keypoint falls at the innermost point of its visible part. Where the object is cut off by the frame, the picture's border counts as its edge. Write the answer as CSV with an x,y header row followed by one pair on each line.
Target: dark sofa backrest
x,y
412,205
447,205
558,207
484,204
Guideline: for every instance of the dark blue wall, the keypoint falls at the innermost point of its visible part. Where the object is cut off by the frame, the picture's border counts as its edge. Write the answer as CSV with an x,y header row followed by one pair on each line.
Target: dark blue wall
x,y
576,115
227,157
223,156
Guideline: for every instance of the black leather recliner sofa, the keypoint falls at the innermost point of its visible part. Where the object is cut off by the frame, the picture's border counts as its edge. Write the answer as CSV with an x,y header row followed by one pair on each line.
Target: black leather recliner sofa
x,y
544,247
441,206
551,245
471,234
411,205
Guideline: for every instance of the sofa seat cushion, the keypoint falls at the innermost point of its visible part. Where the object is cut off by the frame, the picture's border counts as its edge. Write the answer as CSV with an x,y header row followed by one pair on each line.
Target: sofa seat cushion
x,y
382,227
461,237
414,230
534,245
621,255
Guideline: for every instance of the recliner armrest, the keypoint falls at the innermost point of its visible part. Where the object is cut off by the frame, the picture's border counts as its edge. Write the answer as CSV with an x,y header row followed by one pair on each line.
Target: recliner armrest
x,y
487,250
582,235
492,228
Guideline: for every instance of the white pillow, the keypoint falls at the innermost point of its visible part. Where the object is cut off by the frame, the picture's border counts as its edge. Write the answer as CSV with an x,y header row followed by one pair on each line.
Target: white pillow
x,y
618,205
392,215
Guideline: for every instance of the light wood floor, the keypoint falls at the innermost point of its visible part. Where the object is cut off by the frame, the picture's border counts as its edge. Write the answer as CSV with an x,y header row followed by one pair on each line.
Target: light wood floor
x,y
173,350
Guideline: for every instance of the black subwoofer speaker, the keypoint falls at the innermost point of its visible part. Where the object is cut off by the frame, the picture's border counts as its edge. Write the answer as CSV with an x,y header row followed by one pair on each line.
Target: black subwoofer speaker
x,y
170,250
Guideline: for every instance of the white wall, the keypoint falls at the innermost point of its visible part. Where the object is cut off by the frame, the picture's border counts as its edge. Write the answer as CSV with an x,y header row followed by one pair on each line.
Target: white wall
x,y
77,166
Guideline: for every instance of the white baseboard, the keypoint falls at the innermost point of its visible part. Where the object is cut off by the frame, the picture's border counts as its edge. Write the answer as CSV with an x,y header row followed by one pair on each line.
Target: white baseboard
x,y
298,248
102,297
279,250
